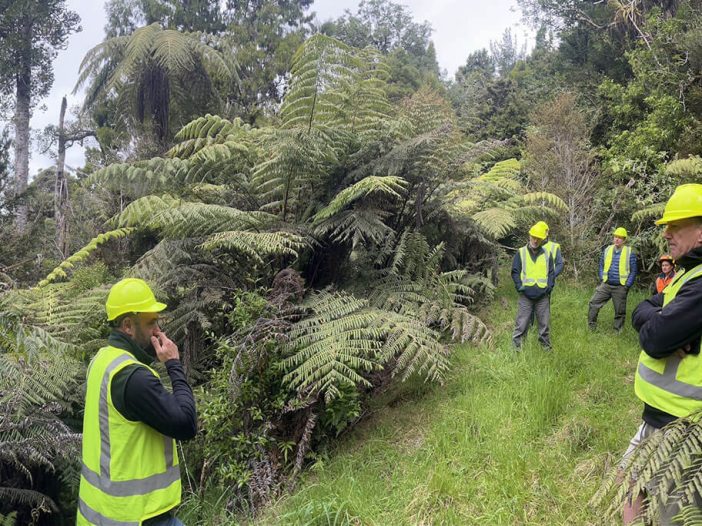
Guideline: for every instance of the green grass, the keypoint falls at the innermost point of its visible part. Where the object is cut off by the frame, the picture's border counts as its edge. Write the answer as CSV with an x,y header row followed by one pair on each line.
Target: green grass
x,y
510,438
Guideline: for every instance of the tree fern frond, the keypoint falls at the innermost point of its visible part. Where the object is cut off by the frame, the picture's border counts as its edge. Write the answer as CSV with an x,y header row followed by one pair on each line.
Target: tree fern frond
x,y
389,185
359,226
497,222
140,178
256,244
333,346
415,348
650,212
507,169
545,199
27,498
83,254
668,468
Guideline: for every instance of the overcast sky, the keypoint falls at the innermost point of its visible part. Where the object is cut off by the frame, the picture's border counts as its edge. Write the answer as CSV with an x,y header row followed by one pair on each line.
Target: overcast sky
x,y
460,27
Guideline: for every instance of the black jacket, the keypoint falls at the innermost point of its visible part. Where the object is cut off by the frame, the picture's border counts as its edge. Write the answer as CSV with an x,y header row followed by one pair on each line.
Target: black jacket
x,y
662,332
139,396
533,292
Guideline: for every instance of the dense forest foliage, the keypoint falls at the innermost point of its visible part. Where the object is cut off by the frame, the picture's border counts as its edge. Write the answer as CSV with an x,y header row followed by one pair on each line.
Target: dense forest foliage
x,y
322,209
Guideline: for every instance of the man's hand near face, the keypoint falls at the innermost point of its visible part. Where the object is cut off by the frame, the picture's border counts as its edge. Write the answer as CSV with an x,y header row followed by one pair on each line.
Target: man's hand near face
x,y
165,348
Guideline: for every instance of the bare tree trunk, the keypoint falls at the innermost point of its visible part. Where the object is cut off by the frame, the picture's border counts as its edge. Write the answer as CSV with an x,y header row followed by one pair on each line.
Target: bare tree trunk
x,y
61,187
22,115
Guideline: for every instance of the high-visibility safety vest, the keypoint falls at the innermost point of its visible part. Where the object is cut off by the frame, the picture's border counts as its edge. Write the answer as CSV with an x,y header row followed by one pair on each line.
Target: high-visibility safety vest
x,y
534,272
624,267
552,249
130,471
671,384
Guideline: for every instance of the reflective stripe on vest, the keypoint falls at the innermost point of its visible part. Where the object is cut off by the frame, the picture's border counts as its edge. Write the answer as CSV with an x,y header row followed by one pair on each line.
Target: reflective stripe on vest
x,y
127,497
671,384
552,249
624,268
534,272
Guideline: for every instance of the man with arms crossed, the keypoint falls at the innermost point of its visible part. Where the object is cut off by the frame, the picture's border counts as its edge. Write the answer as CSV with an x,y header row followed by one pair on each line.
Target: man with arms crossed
x,y
669,372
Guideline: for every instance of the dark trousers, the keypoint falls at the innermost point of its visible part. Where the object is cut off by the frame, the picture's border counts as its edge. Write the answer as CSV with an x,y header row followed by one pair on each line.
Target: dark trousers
x,y
526,308
602,294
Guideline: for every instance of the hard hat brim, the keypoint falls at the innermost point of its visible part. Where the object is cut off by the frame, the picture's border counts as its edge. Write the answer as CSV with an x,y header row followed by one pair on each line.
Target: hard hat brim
x,y
154,307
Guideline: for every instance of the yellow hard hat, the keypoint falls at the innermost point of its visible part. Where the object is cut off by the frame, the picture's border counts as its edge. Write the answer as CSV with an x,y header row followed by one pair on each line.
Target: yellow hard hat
x,y
621,232
685,202
131,295
539,231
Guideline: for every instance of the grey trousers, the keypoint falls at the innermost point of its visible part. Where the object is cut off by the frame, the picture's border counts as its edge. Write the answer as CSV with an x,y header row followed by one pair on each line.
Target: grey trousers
x,y
525,309
603,293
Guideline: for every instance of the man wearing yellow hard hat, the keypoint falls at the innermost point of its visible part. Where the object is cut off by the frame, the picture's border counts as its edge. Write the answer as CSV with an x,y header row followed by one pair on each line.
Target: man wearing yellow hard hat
x,y
130,472
533,276
669,373
617,274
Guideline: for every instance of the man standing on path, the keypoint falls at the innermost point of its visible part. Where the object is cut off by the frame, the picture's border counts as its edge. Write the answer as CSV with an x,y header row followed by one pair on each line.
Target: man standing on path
x,y
130,473
617,275
669,373
533,276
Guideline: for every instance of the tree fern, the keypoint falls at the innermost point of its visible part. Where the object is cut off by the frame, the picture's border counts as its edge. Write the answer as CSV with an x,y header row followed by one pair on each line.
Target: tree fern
x,y
146,68
176,218
36,380
140,178
498,201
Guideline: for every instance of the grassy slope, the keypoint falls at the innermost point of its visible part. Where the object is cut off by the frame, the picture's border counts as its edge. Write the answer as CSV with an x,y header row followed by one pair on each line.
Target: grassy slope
x,y
509,439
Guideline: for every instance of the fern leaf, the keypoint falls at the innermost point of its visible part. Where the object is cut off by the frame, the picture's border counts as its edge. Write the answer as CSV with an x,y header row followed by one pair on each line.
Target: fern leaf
x,y
83,253
389,185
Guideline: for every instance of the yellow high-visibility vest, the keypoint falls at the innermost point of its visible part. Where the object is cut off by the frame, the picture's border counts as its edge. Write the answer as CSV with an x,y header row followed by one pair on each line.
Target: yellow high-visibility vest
x,y
534,272
130,471
671,384
624,268
552,249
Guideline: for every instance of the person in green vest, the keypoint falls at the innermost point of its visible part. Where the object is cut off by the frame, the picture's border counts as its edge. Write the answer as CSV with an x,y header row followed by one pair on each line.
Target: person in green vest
x,y
669,373
130,473
533,276
617,274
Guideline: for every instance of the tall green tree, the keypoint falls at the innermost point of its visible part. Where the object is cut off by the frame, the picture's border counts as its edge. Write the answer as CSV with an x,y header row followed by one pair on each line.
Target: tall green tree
x,y
264,34
32,32
126,16
390,28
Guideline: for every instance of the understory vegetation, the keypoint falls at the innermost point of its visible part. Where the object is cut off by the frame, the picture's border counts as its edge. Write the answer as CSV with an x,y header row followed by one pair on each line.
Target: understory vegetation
x,y
511,438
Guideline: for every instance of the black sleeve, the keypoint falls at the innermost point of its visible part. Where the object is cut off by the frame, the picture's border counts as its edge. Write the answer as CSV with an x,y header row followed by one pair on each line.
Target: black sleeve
x,y
646,310
517,271
669,329
146,400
